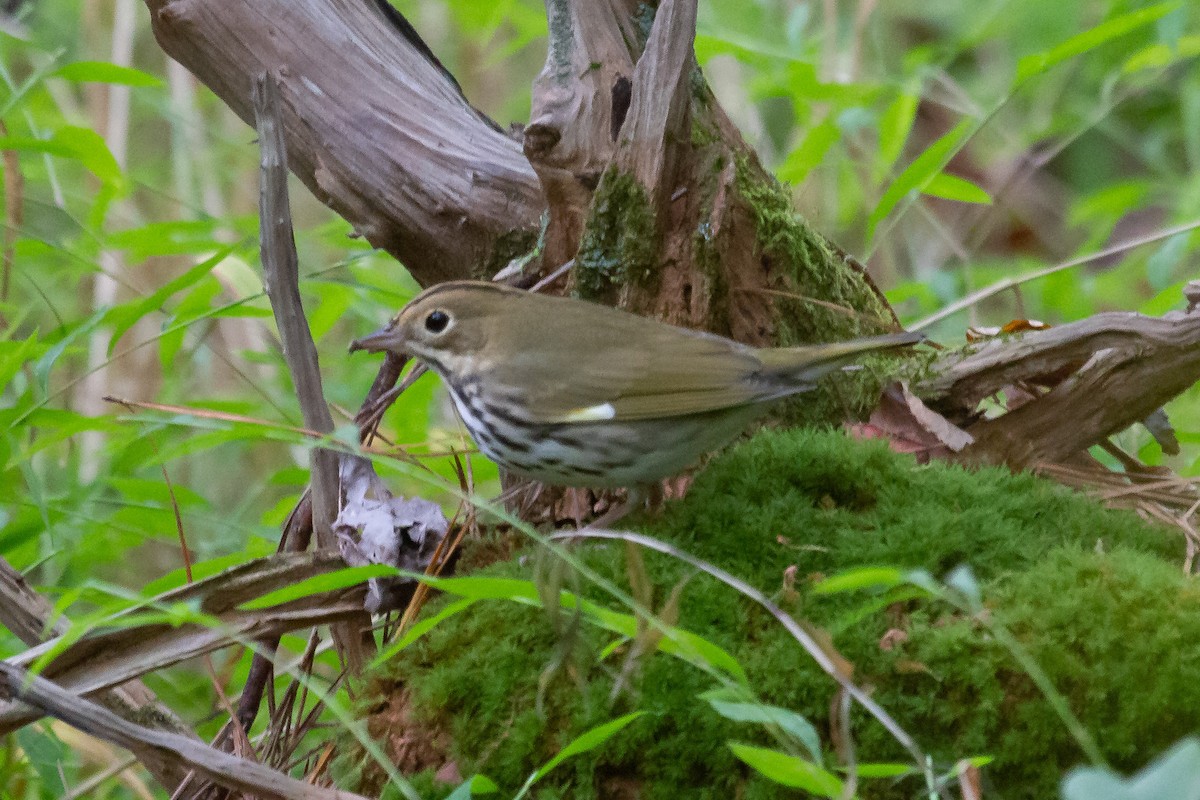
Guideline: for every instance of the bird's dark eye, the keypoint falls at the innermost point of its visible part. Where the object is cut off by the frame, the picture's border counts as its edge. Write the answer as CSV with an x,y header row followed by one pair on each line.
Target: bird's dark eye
x,y
437,321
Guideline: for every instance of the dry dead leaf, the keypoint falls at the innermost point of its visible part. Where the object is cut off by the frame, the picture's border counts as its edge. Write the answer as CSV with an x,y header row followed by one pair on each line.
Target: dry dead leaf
x,y
375,527
910,426
892,638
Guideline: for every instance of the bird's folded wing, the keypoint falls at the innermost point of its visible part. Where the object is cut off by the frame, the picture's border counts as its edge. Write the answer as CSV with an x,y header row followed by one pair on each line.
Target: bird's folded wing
x,y
684,375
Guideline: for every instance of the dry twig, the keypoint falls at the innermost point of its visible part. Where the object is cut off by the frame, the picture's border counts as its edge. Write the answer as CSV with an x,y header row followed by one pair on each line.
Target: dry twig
x,y
159,747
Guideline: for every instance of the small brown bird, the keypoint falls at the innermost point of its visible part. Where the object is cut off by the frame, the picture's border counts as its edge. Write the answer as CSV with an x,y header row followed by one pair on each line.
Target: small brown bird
x,y
572,393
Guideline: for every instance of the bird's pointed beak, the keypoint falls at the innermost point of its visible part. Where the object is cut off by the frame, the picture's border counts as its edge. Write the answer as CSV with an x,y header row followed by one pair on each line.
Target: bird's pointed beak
x,y
379,341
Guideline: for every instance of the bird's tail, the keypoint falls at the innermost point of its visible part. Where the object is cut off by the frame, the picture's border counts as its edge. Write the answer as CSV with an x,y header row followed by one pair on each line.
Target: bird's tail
x,y
804,365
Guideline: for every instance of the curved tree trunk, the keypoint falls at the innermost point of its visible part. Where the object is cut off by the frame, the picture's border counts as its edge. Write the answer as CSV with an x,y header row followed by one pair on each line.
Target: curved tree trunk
x,y
664,207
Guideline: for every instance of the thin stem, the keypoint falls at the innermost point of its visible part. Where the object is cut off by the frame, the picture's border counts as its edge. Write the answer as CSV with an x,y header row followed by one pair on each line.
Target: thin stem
x,y
1011,283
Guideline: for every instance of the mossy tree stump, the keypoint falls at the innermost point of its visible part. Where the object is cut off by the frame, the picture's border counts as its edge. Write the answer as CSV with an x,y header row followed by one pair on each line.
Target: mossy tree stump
x,y
663,206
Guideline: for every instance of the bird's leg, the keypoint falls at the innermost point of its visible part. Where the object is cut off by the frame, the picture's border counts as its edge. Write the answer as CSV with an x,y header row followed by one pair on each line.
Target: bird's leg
x,y
634,498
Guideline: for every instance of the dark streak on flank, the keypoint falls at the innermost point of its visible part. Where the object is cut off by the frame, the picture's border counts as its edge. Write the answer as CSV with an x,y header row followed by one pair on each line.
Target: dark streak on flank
x,y
512,444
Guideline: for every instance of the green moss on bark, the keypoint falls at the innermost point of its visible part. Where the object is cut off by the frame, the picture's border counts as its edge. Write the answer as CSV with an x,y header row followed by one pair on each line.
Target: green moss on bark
x,y
620,239
1095,595
815,270
811,265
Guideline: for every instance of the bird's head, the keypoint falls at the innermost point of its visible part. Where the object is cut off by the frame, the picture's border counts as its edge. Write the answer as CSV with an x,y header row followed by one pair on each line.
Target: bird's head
x,y
444,323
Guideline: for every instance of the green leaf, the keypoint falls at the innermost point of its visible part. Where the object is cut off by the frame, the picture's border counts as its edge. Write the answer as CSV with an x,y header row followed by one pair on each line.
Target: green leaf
x,y
125,316
952,187
41,369
810,152
330,581
917,175
789,721
589,740
90,149
28,144
1164,262
1158,56
853,580
46,754
196,305
487,588
14,354
474,785
333,304
612,647
963,581
1103,33
58,425
789,770
105,72
1174,776
894,127
176,237
677,642
1169,299
883,770
423,627
240,310
923,580
17,97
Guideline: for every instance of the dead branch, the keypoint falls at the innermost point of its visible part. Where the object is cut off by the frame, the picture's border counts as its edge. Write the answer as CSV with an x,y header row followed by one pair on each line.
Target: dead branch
x,y
1104,374
162,748
23,611
580,99
375,128
110,657
26,613
281,276
658,124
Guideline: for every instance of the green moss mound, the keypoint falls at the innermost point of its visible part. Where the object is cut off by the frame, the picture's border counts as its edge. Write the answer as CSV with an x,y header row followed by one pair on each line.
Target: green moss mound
x,y
1095,595
1117,634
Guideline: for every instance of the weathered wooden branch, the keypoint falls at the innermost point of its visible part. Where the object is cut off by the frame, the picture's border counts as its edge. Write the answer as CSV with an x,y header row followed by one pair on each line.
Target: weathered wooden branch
x,y
658,127
580,99
165,751
281,277
376,129
652,190
26,614
111,657
1099,376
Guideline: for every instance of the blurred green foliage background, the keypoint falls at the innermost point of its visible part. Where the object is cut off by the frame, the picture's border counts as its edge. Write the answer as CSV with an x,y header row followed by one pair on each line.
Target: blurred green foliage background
x,y
130,217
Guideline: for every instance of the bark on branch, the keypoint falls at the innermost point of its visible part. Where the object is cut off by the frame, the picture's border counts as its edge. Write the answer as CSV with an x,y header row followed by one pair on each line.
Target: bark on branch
x,y
1092,378
375,128
161,750
113,657
281,277
658,124
27,614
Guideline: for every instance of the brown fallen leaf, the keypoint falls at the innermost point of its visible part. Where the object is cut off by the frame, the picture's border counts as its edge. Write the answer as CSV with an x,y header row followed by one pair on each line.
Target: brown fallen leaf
x,y
892,638
910,426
